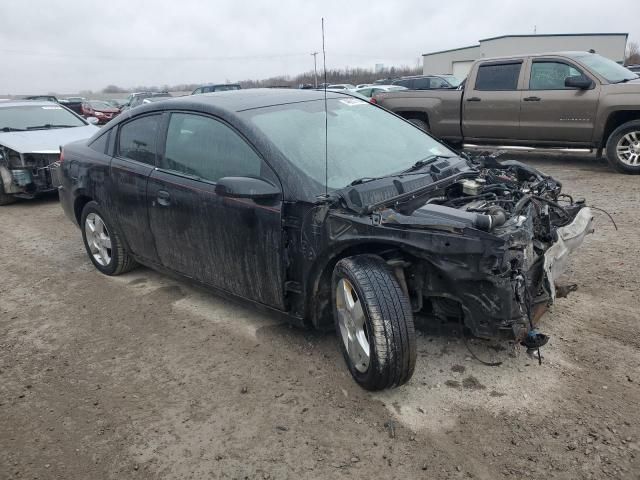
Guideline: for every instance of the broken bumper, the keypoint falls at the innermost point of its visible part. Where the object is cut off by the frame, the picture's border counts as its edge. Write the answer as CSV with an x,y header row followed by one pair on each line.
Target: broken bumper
x,y
570,237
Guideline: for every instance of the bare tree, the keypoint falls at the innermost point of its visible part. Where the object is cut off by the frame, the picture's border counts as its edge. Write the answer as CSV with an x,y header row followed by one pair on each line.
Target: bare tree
x,y
633,54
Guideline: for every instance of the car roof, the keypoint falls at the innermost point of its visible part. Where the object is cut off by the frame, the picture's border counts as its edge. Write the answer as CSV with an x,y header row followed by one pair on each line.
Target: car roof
x,y
29,103
239,100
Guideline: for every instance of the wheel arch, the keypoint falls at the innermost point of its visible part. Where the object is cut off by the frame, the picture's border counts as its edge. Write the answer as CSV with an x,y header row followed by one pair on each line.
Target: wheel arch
x,y
78,205
318,308
614,120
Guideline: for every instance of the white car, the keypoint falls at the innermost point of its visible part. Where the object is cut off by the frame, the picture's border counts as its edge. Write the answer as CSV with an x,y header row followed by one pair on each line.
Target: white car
x,y
31,134
341,86
371,90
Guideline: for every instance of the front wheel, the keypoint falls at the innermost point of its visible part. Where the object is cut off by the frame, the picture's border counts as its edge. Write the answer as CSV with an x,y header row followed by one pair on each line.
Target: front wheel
x,y
623,148
4,198
374,323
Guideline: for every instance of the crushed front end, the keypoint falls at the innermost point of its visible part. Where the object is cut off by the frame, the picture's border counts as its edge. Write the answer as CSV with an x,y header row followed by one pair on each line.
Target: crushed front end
x,y
494,243
26,174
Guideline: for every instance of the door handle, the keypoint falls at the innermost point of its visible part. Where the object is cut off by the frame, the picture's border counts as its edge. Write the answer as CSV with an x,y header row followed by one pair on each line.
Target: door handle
x,y
474,99
164,198
531,99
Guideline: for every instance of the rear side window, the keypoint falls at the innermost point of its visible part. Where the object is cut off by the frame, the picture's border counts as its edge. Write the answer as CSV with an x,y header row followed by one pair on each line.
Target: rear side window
x,y
403,83
137,139
207,148
502,76
421,84
100,143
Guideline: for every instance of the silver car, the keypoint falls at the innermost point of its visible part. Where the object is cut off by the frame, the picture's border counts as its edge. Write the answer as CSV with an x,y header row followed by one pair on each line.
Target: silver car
x,y
371,90
31,134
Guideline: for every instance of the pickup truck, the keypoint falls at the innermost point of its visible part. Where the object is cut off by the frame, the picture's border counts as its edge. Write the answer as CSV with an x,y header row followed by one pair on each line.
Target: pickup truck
x,y
565,100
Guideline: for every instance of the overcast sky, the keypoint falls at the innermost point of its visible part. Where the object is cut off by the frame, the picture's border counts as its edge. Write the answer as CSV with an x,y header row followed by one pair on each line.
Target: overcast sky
x,y
66,46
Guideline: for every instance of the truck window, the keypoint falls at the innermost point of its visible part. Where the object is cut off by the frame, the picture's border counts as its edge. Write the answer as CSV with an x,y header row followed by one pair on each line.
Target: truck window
x,y
502,76
549,75
421,84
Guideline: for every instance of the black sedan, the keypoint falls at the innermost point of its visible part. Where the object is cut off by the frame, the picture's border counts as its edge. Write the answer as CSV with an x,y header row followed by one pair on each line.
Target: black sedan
x,y
335,213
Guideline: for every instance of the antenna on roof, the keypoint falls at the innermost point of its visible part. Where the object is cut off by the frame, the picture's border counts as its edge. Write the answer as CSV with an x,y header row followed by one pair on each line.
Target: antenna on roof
x,y
326,119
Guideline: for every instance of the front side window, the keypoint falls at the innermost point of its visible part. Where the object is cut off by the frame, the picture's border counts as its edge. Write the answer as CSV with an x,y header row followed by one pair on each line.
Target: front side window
x,y
439,83
206,148
551,75
363,140
137,139
503,76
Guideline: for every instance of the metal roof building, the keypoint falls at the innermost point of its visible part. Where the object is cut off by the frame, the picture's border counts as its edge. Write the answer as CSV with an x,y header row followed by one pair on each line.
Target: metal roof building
x,y
458,60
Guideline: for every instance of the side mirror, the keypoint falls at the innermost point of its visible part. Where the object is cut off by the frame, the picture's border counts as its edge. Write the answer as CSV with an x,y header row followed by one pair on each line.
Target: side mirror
x,y
246,187
578,81
92,120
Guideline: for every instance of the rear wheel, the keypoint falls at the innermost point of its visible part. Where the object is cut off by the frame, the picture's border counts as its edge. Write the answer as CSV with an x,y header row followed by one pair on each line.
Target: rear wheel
x,y
421,124
374,323
103,242
623,148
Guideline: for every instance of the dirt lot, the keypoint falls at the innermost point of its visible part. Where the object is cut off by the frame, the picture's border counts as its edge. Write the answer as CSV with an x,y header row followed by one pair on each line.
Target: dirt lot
x,y
144,376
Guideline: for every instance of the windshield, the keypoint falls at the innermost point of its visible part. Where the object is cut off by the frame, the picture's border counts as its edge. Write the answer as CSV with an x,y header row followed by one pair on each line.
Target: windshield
x,y
454,81
606,68
364,141
34,116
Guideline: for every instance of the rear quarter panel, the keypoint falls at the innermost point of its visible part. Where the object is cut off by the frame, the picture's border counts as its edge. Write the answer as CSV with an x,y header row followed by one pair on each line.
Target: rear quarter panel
x,y
442,108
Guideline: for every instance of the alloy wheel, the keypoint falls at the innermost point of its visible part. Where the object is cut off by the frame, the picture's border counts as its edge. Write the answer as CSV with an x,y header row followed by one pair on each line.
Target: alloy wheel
x,y
628,149
98,239
352,325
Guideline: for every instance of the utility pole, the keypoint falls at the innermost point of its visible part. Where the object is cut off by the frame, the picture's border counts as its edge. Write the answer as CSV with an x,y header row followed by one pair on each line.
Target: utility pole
x,y
315,69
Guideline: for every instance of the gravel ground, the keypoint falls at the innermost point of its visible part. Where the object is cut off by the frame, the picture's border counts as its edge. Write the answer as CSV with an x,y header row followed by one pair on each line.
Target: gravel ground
x,y
145,376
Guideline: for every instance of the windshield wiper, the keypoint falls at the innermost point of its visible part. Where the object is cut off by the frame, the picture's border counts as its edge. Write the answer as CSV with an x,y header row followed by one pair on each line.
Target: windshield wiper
x,y
11,129
425,161
49,125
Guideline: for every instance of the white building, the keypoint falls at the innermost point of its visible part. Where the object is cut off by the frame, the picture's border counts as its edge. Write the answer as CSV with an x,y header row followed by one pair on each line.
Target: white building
x,y
458,60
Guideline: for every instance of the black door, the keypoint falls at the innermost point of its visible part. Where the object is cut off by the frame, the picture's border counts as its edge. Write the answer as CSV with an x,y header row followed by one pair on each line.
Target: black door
x,y
232,244
134,160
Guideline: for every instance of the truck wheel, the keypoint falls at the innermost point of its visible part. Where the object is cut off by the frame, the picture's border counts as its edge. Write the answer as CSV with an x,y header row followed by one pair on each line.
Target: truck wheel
x,y
623,148
374,322
421,124
4,198
103,242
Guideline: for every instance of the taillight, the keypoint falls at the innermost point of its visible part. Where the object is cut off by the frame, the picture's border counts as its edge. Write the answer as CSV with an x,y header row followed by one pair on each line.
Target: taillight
x,y
373,100
61,159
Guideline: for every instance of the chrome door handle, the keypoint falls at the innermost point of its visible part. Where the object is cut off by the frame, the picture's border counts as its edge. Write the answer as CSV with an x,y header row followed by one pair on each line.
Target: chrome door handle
x,y
164,198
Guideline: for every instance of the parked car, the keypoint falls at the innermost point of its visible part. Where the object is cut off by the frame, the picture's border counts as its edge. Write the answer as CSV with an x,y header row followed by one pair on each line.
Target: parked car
x,y
371,90
633,68
117,102
31,133
216,88
46,98
99,109
231,191
428,82
136,99
341,86
560,100
74,104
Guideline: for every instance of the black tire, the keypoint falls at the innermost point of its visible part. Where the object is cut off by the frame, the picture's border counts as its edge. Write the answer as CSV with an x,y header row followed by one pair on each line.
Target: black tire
x,y
421,124
388,322
120,261
4,198
614,159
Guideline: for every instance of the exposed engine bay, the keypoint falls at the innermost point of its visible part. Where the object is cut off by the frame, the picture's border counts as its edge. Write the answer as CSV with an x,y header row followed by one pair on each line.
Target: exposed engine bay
x,y
496,237
26,174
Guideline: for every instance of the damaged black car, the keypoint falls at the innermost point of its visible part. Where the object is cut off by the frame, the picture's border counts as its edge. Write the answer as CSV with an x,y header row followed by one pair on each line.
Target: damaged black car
x,y
329,210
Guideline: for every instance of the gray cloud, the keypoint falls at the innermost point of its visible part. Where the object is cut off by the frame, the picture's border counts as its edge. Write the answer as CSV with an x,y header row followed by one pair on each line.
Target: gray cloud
x,y
69,45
